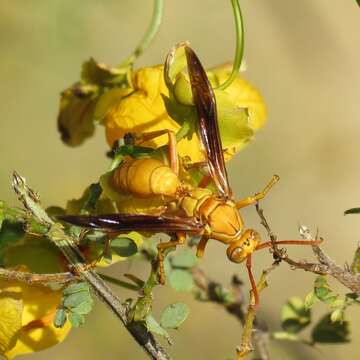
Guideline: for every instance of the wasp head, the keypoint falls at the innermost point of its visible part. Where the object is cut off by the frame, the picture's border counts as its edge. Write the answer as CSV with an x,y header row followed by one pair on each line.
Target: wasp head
x,y
239,249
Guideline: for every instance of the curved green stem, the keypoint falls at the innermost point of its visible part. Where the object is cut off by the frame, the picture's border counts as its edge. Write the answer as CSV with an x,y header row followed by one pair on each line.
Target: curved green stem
x,y
149,35
239,51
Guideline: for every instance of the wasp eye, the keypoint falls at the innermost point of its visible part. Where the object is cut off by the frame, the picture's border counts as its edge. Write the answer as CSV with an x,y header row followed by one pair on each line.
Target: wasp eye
x,y
236,254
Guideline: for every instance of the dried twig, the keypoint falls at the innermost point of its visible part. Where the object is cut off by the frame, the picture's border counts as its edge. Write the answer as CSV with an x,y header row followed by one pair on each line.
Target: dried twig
x,y
325,266
37,279
235,307
67,244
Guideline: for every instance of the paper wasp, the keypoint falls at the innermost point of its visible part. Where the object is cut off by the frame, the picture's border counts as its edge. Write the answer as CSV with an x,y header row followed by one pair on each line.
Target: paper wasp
x,y
187,209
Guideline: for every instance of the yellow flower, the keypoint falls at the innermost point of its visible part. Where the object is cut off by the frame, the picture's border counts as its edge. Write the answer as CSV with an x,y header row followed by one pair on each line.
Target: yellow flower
x,y
143,110
27,314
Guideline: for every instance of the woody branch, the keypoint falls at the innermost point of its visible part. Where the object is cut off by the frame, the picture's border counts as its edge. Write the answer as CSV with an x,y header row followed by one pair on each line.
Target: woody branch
x,y
67,245
324,266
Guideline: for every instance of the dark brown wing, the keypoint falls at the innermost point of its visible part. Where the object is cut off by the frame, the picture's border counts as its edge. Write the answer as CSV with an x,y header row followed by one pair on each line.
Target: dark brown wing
x,y
205,104
128,222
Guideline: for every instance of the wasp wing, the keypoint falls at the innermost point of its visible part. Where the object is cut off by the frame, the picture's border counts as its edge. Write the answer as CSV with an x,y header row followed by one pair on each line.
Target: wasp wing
x,y
129,222
205,104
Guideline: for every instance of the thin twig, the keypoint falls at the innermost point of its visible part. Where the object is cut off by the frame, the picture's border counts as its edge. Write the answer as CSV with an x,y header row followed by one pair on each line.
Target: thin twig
x,y
325,266
67,244
235,307
37,279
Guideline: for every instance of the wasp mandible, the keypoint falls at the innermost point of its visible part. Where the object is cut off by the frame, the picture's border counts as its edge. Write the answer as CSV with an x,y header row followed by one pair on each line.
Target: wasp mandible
x,y
187,209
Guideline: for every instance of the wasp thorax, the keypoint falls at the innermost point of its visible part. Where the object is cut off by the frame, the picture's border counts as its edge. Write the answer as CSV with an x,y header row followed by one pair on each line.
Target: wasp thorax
x,y
146,177
239,250
225,219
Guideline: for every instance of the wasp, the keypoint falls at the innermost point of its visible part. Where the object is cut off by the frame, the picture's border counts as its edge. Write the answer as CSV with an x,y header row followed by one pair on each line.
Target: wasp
x,y
188,210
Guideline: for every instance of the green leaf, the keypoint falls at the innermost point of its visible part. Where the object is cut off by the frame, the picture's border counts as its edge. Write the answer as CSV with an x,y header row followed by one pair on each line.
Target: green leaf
x,y
124,246
83,308
358,2
326,331
75,288
233,121
76,319
295,316
185,259
76,299
337,315
181,280
174,315
310,300
353,210
153,326
60,318
323,291
283,335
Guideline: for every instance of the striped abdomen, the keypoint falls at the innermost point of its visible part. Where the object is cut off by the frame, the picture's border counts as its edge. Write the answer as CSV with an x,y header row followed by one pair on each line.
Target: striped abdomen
x,y
145,178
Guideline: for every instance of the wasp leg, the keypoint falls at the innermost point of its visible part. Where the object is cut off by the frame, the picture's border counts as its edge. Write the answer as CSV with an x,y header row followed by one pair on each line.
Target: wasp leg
x,y
254,199
180,239
172,151
201,246
252,281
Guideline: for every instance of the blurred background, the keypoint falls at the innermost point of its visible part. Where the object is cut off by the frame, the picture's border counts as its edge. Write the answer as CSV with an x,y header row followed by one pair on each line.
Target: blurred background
x,y
304,58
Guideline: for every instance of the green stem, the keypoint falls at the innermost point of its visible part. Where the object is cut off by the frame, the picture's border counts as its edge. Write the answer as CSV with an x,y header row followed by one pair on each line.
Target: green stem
x,y
149,35
239,51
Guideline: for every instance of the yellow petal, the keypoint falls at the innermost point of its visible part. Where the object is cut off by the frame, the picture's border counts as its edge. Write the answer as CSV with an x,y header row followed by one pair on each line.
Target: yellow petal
x,y
37,339
10,320
108,100
144,111
36,331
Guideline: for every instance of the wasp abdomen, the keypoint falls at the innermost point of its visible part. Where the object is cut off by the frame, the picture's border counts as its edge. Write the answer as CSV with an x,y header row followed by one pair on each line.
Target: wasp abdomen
x,y
146,177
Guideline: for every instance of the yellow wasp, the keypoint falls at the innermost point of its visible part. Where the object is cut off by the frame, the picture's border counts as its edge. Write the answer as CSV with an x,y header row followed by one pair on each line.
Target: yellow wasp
x,y
187,209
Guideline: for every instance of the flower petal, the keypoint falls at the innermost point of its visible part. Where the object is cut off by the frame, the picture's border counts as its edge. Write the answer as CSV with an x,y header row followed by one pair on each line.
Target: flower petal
x,y
10,314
